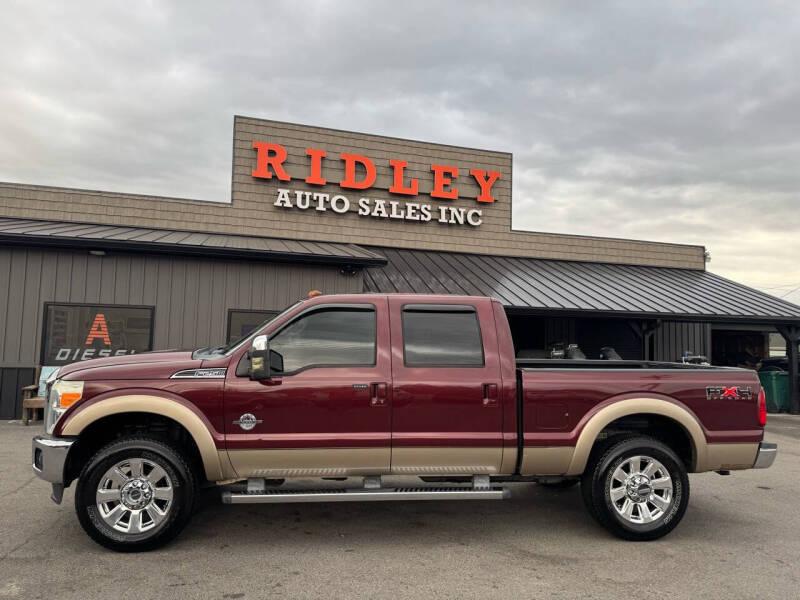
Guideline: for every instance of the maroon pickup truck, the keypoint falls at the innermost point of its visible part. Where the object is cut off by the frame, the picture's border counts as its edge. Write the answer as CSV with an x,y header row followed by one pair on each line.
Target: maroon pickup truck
x,y
375,386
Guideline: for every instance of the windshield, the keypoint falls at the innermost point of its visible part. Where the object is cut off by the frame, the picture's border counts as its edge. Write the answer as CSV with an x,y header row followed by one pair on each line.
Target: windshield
x,y
227,349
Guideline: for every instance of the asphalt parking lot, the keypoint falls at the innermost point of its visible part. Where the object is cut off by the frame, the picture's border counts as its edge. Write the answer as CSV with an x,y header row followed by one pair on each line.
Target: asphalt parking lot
x,y
739,539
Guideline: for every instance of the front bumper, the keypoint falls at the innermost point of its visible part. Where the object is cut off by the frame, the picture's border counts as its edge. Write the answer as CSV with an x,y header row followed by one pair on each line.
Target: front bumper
x,y
49,455
767,451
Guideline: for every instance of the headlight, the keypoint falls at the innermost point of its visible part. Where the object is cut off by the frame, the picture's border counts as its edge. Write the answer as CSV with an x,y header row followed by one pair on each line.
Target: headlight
x,y
60,396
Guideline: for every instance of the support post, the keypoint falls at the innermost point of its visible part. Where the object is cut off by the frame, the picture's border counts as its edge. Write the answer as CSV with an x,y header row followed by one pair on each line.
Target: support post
x,y
791,333
644,331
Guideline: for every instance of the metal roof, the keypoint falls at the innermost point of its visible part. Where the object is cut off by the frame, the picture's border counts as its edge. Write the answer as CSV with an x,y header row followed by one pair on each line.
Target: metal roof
x,y
579,287
119,237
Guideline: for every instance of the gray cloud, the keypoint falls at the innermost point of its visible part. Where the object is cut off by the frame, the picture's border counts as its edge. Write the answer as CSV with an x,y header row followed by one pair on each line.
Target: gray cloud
x,y
667,122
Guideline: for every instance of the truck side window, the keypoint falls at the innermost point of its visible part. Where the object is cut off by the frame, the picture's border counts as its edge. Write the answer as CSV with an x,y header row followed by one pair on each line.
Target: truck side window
x,y
441,336
327,338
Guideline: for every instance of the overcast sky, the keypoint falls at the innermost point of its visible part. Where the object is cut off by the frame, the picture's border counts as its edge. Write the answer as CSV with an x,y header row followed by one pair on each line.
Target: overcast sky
x,y
673,121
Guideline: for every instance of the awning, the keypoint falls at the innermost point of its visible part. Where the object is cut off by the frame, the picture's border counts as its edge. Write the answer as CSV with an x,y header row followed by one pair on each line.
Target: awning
x,y
67,234
579,288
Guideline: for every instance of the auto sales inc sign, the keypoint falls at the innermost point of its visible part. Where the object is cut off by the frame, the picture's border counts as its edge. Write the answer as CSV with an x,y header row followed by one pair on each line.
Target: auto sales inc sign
x,y
360,174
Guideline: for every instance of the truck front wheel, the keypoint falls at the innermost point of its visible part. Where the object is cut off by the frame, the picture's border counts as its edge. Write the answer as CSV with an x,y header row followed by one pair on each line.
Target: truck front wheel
x,y
637,488
135,494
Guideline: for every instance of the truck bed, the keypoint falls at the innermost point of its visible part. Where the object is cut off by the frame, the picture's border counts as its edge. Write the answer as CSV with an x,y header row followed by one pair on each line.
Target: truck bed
x,y
557,396
586,363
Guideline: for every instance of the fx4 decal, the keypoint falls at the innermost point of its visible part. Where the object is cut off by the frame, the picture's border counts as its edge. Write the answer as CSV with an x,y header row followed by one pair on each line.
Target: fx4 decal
x,y
718,392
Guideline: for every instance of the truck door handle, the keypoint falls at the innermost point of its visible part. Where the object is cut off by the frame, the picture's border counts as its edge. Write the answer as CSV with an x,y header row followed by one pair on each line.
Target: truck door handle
x,y
490,394
378,394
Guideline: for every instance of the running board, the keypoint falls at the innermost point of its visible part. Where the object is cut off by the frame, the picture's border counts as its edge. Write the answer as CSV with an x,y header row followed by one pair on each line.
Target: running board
x,y
363,495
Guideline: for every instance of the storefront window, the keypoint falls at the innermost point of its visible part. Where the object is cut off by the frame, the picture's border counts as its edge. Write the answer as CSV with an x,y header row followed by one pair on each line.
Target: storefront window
x,y
242,322
76,332
777,345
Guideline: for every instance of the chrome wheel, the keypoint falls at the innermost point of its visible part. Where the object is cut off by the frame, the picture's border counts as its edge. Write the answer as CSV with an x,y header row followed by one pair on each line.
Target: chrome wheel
x,y
641,489
134,496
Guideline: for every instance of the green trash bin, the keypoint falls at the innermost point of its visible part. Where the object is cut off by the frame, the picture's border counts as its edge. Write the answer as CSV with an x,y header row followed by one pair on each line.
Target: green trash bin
x,y
776,388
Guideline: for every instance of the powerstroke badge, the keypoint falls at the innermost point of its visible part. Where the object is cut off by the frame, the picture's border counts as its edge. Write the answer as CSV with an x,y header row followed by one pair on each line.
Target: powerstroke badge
x,y
721,392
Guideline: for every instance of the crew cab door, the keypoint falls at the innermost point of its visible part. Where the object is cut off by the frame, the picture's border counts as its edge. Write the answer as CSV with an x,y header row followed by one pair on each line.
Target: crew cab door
x,y
328,413
446,412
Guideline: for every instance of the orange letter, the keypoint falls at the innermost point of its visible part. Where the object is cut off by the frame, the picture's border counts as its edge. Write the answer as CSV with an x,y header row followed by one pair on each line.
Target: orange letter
x,y
397,188
99,329
486,184
349,180
316,166
264,161
439,181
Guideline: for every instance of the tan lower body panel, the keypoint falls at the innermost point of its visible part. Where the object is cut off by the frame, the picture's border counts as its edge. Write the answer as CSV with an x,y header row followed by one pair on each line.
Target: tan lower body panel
x,y
556,460
509,464
310,462
550,460
446,461
227,467
730,457
346,462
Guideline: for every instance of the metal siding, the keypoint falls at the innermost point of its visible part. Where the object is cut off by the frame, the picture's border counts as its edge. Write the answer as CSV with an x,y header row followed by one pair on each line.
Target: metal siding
x,y
177,303
78,275
33,276
191,290
560,330
673,337
12,330
550,285
107,280
135,281
11,383
162,318
94,275
5,289
191,296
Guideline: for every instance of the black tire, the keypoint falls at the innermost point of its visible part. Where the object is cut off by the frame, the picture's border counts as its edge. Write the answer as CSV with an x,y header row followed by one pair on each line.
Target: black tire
x,y
597,452
178,510
597,481
558,484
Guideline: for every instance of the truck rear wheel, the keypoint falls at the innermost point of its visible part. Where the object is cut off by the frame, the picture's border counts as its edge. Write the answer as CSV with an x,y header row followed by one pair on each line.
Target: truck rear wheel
x,y
637,488
136,494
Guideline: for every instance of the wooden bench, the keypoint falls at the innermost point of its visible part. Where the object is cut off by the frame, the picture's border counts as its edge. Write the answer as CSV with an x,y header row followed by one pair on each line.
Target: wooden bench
x,y
31,404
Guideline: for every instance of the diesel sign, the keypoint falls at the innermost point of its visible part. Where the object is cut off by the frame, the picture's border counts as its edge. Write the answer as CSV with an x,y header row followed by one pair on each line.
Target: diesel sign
x,y
75,333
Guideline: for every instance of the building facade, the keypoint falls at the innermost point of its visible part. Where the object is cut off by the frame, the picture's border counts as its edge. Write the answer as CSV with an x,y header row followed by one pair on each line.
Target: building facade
x,y
87,273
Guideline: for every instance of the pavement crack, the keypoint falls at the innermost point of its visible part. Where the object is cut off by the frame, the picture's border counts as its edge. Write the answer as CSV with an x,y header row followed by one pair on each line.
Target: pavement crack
x,y
14,491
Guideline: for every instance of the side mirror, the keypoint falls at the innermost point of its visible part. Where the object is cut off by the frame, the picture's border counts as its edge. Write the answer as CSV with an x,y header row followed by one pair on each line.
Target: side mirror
x,y
259,358
263,361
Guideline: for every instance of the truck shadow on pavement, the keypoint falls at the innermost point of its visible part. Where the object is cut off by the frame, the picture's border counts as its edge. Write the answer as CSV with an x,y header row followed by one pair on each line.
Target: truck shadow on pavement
x,y
531,512
404,522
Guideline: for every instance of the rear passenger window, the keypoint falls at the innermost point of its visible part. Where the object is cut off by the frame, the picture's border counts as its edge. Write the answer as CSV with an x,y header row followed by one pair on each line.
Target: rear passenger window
x,y
441,336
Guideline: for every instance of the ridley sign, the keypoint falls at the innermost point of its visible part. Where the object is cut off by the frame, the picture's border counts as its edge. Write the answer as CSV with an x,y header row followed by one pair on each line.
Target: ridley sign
x,y
271,157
